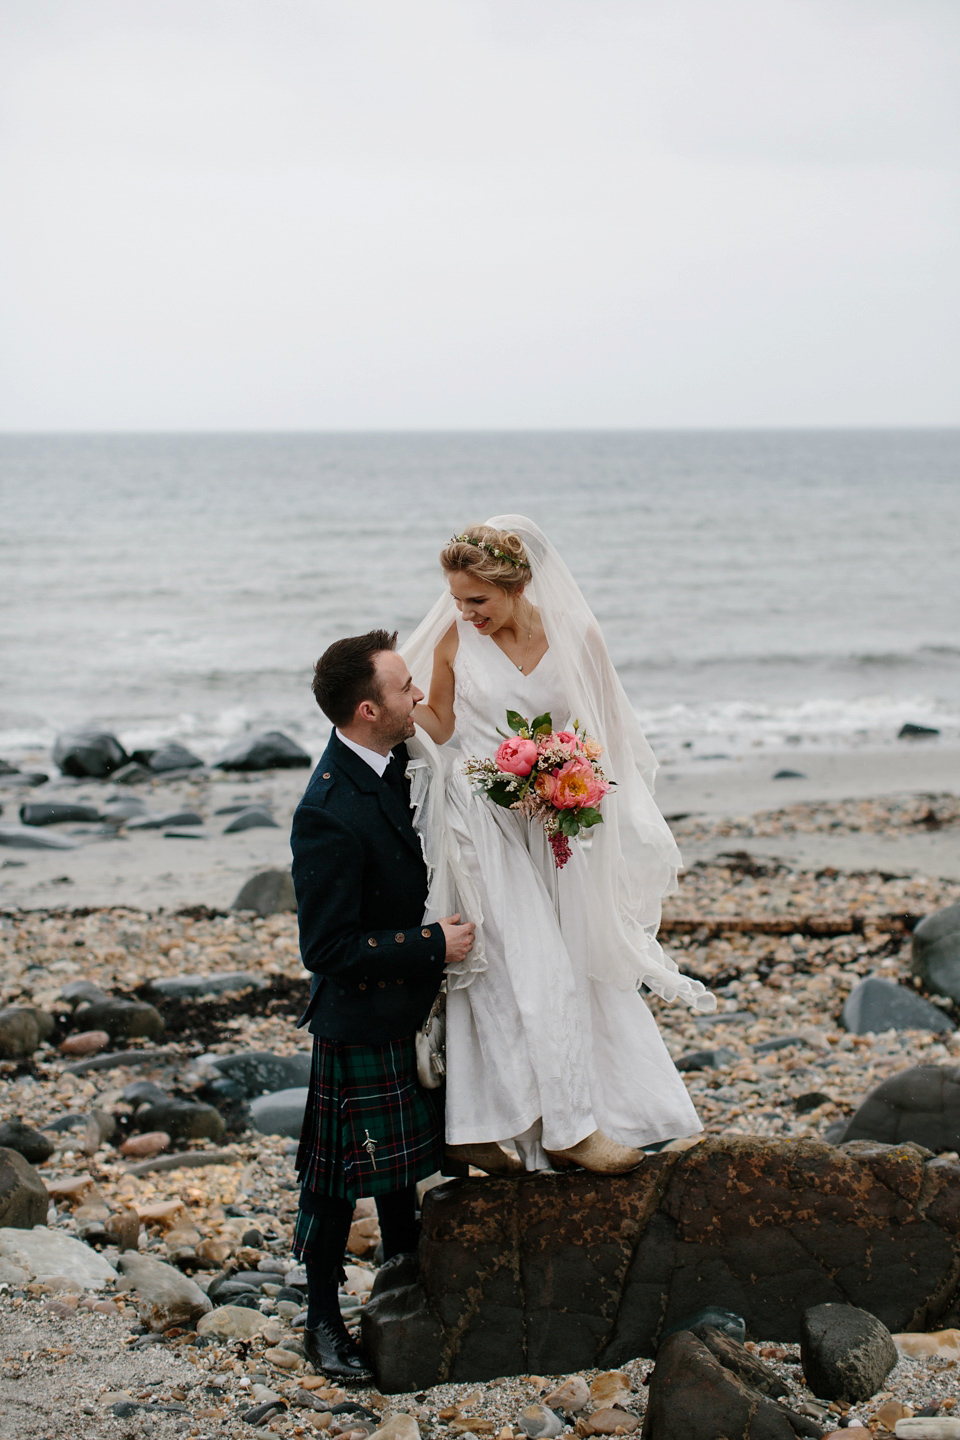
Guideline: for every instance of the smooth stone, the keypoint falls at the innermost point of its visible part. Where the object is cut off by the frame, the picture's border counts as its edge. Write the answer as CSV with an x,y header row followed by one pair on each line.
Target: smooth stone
x,y
132,774
269,751
812,1100
610,1422
19,1032
142,1147
269,892
707,1059
117,1057
742,1362
187,987
161,821
88,1042
256,818
34,1147
283,1359
123,807
23,837
182,1120
933,1427
7,769
173,757
921,1105
910,731
935,952
780,1042
84,752
48,1254
261,1072
875,1006
79,992
944,1344
539,1422
726,1321
167,1297
24,1200
143,1092
280,1113
572,1395
233,1322
610,1387
789,775
53,812
398,1426
70,1121
126,1019
846,1353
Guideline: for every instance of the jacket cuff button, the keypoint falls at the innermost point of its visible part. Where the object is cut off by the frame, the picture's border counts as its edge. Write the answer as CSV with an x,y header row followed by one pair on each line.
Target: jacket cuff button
x,y
399,938
372,943
382,984
426,934
362,985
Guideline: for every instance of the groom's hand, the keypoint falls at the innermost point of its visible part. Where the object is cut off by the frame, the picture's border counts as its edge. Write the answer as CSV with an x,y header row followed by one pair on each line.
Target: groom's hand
x,y
459,938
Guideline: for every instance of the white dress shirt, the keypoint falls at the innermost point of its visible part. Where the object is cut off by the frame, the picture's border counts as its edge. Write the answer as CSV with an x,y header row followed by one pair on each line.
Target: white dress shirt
x,y
373,758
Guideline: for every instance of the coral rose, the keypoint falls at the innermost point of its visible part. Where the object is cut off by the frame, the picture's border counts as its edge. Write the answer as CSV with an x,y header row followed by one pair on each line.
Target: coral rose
x,y
516,756
592,748
577,786
545,784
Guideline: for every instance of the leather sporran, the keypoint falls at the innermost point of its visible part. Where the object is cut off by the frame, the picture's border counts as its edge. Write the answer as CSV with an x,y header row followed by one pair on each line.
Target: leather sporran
x,y
431,1042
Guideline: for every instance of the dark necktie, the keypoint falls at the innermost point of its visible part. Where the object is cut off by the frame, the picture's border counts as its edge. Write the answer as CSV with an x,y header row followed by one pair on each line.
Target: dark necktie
x,y
394,779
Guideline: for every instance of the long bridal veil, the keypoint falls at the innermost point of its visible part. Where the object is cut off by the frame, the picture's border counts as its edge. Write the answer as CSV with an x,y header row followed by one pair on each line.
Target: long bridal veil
x,y
633,858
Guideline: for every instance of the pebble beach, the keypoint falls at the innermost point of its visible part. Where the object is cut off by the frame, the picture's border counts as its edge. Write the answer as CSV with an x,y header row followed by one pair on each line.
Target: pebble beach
x,y
781,944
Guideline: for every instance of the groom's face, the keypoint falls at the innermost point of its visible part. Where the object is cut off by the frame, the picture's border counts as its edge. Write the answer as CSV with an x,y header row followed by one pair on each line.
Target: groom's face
x,y
398,696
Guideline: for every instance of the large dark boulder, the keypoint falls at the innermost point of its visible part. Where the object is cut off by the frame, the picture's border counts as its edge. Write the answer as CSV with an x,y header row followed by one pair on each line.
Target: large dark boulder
x,y
122,1019
921,1105
268,892
55,812
31,1144
692,1396
552,1274
935,952
173,757
181,1119
260,1072
23,1028
397,1325
846,1353
876,1005
84,753
269,751
23,1196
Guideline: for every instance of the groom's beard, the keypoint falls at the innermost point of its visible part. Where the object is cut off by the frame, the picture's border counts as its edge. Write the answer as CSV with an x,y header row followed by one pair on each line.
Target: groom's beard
x,y
394,729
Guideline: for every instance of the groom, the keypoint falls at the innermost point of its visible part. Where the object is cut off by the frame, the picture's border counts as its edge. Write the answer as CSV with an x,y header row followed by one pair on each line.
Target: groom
x,y
361,883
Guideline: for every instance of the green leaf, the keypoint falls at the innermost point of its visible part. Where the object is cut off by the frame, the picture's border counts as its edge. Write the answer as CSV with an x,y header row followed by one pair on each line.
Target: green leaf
x,y
589,816
500,795
569,824
516,722
542,725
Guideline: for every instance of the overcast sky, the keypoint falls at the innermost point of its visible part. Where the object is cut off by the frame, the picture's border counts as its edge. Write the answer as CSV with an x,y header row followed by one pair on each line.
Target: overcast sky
x,y
344,214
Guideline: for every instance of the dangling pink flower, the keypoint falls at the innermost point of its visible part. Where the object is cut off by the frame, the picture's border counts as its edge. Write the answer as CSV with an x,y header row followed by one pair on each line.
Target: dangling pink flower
x,y
516,756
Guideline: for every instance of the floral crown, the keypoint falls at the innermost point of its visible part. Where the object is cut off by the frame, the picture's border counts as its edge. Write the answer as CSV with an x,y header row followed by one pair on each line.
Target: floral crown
x,y
489,549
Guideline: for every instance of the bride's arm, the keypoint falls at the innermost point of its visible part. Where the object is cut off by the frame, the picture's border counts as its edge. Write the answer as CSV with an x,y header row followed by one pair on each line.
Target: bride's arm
x,y
435,714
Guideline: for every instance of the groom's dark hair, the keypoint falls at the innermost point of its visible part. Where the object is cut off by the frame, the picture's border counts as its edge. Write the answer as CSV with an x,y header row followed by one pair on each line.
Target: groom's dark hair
x,y
346,673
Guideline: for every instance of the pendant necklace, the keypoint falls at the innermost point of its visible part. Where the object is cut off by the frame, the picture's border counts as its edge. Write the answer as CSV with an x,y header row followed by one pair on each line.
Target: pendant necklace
x,y
526,651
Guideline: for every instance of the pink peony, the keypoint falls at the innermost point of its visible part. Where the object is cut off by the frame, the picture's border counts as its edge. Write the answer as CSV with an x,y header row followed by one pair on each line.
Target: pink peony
x,y
567,737
516,756
577,786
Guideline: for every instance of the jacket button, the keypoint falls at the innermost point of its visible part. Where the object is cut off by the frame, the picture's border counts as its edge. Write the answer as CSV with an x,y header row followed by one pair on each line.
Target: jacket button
x,y
399,982
382,984
425,934
372,942
325,775
399,938
362,985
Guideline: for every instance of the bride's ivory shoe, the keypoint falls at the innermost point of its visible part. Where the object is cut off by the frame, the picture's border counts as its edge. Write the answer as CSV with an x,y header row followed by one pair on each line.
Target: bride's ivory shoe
x,y
487,1155
600,1154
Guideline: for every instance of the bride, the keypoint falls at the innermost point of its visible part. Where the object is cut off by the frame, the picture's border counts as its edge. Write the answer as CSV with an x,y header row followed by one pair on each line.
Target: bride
x,y
550,1047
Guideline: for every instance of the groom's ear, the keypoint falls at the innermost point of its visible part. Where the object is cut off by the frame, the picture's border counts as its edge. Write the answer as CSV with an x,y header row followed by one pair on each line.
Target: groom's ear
x,y
366,710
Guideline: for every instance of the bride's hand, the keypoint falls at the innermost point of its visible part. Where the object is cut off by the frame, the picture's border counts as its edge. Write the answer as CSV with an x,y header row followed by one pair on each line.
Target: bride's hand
x,y
459,938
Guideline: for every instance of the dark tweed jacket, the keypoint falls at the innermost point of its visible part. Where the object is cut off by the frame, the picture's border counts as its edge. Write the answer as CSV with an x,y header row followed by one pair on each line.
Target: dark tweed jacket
x,y
361,885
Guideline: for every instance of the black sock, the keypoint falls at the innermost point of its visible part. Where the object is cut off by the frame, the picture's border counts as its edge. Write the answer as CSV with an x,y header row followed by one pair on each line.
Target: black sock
x,y
399,1227
324,1261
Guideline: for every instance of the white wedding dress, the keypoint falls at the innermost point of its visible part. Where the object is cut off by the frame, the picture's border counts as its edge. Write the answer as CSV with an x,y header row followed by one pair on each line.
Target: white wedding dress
x,y
538,1053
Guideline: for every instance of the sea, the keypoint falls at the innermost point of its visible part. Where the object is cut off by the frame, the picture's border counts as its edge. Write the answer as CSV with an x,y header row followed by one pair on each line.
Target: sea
x,y
755,587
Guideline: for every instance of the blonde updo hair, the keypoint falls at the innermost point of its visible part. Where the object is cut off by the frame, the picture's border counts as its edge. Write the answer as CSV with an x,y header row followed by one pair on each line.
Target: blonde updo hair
x,y
475,554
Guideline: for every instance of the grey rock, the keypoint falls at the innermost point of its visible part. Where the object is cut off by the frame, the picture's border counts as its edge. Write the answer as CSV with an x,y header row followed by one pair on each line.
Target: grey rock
x,y
877,1005
169,817
188,987
7,769
31,1144
260,1072
143,1092
268,893
182,1120
55,812
280,1113
26,837
726,1321
780,1042
79,992
125,807
28,780
846,1352
909,731
935,952
71,1121
45,1254
23,1196
166,1297
256,818
733,1355
20,1032
540,1422
402,1335
269,751
88,753
132,773
174,757
708,1059
121,1018
921,1105
789,775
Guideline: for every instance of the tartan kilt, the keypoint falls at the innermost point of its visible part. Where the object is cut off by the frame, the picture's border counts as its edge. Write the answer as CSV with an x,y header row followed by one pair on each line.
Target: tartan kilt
x,y
369,1127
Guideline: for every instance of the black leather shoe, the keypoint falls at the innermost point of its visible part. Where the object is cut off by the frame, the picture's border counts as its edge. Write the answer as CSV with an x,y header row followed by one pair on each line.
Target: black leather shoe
x,y
330,1350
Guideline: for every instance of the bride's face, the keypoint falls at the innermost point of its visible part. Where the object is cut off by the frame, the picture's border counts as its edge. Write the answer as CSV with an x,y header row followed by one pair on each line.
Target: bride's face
x,y
486,607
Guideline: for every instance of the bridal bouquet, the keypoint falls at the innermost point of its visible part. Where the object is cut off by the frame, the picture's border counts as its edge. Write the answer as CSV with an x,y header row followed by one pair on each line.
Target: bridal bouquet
x,y
552,776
